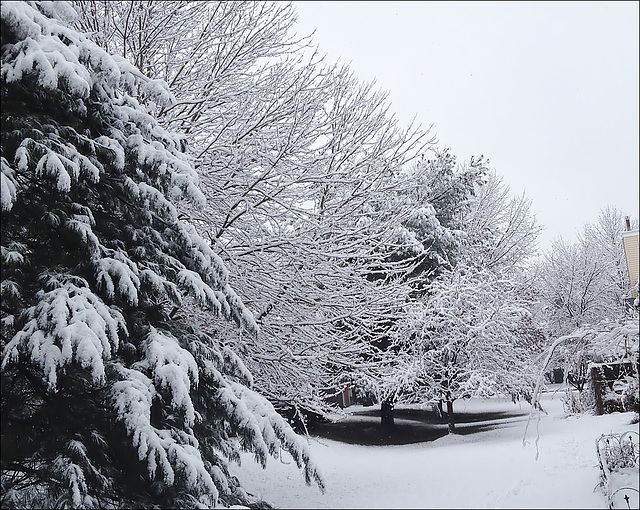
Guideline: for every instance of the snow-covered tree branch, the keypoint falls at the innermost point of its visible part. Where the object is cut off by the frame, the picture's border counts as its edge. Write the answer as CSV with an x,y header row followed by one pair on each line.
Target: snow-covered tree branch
x,y
110,398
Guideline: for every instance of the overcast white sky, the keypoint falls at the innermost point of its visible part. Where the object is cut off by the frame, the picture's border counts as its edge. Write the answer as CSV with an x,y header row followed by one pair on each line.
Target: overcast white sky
x,y
548,91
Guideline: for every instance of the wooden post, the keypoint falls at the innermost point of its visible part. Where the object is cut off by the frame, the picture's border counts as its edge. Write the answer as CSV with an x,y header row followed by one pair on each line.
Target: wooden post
x,y
598,391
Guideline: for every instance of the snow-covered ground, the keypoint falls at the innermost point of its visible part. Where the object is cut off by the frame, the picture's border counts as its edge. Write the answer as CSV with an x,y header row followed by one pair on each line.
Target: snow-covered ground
x,y
489,469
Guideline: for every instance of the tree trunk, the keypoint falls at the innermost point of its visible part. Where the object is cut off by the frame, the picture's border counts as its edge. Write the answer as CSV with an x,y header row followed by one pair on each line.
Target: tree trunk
x,y
450,418
386,415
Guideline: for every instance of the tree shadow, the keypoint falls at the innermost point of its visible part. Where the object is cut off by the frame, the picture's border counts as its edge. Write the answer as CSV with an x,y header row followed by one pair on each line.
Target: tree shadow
x,y
363,427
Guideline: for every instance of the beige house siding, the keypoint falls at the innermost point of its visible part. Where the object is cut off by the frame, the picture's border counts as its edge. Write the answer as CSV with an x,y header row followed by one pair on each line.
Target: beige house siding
x,y
630,242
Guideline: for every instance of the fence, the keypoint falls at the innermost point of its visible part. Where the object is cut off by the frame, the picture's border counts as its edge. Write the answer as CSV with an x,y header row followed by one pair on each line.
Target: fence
x,y
618,457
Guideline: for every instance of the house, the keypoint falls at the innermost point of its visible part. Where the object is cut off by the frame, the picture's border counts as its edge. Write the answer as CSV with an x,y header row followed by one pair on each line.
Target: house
x,y
630,243
610,379
344,398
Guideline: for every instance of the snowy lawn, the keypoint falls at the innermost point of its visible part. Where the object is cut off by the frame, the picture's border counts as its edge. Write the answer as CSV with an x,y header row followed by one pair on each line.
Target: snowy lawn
x,y
487,469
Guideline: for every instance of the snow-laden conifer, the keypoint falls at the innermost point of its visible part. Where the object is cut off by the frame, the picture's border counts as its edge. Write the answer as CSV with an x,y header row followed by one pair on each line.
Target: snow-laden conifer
x,y
109,396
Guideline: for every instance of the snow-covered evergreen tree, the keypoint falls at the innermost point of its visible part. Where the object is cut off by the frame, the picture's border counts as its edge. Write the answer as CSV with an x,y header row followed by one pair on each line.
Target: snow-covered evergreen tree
x,y
443,192
110,397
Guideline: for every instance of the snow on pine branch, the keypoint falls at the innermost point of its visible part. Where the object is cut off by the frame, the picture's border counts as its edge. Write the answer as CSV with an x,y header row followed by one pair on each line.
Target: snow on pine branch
x,y
73,474
203,294
165,450
61,58
7,186
41,51
264,432
68,324
173,368
124,272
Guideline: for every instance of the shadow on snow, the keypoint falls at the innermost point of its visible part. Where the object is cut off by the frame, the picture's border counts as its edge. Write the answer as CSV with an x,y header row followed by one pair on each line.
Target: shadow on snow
x,y
363,427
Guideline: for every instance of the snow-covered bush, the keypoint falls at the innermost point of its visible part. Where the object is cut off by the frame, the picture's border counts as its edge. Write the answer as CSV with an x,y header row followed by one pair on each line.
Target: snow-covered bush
x,y
110,396
579,402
